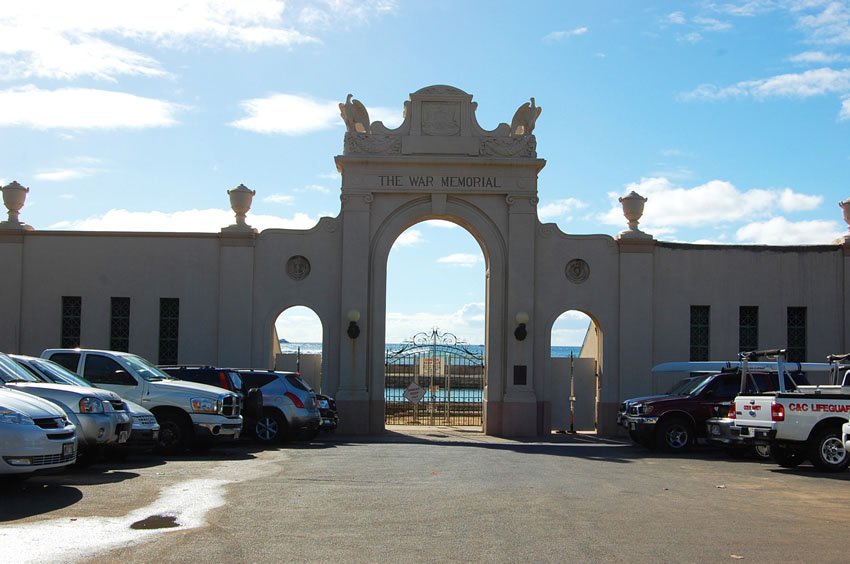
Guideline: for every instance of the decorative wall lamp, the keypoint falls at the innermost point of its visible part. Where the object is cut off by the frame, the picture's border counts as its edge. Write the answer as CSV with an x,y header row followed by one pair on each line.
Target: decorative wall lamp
x,y
521,332
353,328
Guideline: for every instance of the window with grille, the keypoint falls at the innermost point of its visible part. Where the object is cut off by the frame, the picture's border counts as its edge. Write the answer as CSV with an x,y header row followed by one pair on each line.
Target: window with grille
x,y
699,332
796,345
748,328
169,316
119,326
72,312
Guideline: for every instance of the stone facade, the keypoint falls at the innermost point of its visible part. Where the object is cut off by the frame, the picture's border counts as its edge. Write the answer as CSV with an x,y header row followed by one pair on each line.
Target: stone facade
x,y
439,164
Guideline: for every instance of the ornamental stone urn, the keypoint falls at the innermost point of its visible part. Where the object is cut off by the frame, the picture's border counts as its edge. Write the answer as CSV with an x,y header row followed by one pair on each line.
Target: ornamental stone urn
x,y
633,211
845,207
14,197
241,198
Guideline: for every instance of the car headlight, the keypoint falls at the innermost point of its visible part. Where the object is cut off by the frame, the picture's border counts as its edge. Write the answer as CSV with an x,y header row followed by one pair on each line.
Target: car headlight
x,y
647,409
14,417
204,405
91,405
324,404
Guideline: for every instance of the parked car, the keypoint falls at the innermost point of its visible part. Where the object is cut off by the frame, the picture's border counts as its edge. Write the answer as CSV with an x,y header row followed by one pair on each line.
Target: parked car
x,y
35,435
189,414
99,416
226,378
289,406
327,409
145,429
623,412
674,422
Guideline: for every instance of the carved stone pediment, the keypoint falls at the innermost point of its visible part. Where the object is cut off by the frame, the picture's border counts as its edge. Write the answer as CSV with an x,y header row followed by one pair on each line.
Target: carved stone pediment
x,y
440,120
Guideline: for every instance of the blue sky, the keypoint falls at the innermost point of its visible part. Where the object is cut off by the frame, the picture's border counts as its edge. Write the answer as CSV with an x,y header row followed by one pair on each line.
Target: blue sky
x,y
732,117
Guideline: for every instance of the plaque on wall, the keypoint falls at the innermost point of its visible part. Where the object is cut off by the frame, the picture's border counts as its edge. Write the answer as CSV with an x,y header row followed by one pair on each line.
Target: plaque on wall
x,y
298,267
520,375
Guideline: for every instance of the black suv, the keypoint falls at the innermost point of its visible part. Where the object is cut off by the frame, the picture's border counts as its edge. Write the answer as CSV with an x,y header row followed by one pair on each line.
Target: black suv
x,y
227,378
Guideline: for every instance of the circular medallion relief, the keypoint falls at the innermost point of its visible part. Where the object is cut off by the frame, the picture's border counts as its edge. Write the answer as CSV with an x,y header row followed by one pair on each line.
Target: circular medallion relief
x,y
577,271
298,267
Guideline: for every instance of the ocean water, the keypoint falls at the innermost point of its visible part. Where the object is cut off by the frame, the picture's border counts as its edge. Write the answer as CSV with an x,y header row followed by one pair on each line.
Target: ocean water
x,y
316,348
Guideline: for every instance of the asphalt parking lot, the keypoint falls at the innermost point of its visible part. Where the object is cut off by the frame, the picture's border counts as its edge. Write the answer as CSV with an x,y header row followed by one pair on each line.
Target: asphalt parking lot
x,y
430,495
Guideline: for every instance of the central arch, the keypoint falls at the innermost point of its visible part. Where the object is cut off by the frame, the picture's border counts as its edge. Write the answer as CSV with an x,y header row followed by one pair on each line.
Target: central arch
x,y
484,230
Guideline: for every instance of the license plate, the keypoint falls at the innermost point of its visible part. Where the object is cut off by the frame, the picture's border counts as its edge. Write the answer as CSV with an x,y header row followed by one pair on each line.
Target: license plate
x,y
123,436
68,449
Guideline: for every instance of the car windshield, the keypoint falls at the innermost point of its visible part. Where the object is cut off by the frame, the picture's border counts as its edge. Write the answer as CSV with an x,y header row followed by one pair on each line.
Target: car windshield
x,y
11,371
145,369
679,386
695,386
59,374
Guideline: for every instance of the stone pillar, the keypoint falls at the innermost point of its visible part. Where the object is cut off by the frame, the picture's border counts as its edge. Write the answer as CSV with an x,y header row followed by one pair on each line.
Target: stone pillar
x,y
635,311
520,407
352,395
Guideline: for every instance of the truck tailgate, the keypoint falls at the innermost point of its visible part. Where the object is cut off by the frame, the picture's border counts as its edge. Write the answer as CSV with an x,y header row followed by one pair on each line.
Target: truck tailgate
x,y
753,412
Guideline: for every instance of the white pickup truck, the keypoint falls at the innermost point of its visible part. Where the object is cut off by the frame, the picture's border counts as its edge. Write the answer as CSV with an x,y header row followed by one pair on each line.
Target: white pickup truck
x,y
188,413
798,425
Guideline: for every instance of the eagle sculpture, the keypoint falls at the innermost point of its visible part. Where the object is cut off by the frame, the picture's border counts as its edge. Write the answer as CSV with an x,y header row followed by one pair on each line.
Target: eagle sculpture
x,y
355,116
524,119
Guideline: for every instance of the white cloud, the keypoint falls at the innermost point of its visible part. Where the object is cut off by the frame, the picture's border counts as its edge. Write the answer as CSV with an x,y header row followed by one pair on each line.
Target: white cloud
x,y
409,238
465,260
285,199
676,18
714,203
82,108
64,174
817,58
780,231
789,201
711,24
200,221
441,224
62,40
831,25
559,35
798,85
558,208
845,109
467,324
292,114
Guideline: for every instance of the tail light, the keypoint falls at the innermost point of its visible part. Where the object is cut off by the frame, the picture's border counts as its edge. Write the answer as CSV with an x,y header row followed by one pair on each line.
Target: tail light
x,y
731,413
777,412
298,403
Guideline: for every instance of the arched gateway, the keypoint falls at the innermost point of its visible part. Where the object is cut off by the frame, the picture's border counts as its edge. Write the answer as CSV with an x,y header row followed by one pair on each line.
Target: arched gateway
x,y
218,294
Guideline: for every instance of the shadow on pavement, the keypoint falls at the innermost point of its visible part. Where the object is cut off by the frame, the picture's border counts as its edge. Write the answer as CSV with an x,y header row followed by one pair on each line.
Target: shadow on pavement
x,y
34,497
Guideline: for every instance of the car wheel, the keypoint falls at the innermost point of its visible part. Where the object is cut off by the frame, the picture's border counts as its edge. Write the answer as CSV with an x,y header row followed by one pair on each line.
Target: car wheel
x,y
271,427
827,451
762,452
174,433
674,435
787,457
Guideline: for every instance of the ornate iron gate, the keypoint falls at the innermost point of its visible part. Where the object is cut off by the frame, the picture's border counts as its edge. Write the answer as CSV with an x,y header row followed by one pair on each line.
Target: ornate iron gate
x,y
445,378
